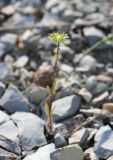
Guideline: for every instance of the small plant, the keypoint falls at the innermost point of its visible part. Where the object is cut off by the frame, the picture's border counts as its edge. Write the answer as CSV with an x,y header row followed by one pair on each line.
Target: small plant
x,y
56,38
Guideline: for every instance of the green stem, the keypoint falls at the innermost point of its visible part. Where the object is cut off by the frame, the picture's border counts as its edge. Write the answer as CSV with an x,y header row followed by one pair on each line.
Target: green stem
x,y
102,41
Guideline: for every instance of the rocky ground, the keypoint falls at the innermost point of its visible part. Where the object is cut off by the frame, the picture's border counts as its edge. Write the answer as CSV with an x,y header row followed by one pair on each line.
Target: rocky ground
x,y
83,109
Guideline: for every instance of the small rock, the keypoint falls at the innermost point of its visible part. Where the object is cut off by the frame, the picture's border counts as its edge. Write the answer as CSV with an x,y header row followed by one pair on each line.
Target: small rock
x,y
104,146
7,43
85,94
13,100
21,61
5,72
87,64
69,152
2,88
8,10
59,140
108,106
100,98
31,130
79,136
91,154
43,153
3,117
66,68
65,107
99,89
36,93
9,137
60,128
106,79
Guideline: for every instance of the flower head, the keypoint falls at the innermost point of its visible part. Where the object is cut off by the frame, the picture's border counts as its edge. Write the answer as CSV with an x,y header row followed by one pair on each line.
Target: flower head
x,y
58,37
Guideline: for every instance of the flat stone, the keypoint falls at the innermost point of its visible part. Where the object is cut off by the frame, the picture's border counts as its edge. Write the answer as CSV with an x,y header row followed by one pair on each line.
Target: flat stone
x,y
100,98
13,100
104,78
69,152
79,136
36,93
59,140
2,88
104,146
3,117
9,137
5,72
43,153
87,96
65,107
32,132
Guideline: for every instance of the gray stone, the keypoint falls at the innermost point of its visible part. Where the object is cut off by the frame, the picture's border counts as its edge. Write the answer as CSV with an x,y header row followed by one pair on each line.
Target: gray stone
x,y
43,153
104,146
5,155
6,72
79,136
21,61
59,140
65,107
31,130
2,88
86,64
36,93
13,101
66,68
3,117
99,89
71,152
7,43
60,128
9,137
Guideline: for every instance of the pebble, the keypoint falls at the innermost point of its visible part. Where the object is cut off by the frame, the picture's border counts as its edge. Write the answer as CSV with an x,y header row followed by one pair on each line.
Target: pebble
x,y
21,61
9,137
110,158
87,96
43,153
104,146
68,152
5,72
59,140
2,88
30,130
7,43
66,68
87,64
108,106
36,94
106,79
12,100
65,107
79,136
100,98
3,117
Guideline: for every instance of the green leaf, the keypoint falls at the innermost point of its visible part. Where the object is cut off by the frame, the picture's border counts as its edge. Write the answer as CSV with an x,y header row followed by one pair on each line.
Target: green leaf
x,y
47,109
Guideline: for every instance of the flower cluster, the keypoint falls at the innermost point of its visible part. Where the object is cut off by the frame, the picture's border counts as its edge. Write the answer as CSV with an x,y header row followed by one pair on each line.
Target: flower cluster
x,y
58,37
